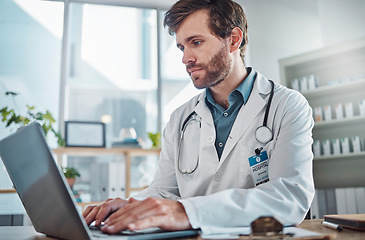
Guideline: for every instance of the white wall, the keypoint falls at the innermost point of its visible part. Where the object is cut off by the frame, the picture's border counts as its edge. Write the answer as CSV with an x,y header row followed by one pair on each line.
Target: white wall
x,y
341,20
283,28
279,29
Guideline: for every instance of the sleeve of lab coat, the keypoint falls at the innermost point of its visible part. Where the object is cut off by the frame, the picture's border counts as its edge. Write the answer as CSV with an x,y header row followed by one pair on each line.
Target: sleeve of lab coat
x,y
288,194
164,184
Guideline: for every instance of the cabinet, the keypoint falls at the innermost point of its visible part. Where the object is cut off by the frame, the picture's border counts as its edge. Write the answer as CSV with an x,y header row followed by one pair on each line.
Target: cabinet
x,y
128,153
340,72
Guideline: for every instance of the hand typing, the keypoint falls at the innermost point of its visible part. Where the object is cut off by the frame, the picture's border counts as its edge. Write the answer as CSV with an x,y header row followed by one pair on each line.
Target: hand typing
x,y
135,215
99,213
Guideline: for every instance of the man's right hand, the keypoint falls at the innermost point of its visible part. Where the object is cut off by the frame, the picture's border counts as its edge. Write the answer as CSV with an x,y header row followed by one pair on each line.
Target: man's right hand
x,y
100,213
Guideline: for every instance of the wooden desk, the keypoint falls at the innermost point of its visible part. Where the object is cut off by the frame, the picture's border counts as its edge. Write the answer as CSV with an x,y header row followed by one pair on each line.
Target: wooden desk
x,y
128,153
28,233
315,226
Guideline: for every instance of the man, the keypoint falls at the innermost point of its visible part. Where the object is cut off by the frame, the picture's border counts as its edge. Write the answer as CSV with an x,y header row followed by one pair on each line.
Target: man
x,y
216,169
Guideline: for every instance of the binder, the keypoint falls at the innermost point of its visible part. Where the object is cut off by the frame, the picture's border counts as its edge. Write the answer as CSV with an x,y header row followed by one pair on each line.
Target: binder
x,y
353,221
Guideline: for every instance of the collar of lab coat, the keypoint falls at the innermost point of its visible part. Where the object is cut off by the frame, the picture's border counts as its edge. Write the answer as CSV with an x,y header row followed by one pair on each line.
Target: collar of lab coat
x,y
247,114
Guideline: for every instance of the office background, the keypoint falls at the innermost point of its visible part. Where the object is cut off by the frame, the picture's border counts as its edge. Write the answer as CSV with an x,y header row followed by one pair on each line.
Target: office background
x,y
112,61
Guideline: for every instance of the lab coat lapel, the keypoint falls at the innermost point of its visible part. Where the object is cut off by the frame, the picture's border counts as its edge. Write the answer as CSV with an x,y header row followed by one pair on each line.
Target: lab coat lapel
x,y
248,113
207,152
203,111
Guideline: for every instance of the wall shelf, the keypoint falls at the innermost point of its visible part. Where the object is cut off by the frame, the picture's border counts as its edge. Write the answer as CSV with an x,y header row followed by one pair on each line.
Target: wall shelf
x,y
339,123
320,92
128,153
344,64
340,157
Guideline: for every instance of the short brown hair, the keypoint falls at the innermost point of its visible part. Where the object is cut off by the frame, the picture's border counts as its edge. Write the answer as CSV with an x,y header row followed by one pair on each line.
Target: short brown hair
x,y
224,15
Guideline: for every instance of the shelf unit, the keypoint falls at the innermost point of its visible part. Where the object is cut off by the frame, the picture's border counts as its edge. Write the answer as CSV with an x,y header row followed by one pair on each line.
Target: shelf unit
x,y
128,153
340,71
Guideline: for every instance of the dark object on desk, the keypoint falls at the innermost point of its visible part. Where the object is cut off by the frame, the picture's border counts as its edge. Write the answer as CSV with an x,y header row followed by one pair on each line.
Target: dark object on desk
x,y
266,225
353,221
126,143
266,228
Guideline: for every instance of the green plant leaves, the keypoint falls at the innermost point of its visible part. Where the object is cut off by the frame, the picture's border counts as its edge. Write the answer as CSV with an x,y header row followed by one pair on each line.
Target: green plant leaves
x,y
9,116
70,172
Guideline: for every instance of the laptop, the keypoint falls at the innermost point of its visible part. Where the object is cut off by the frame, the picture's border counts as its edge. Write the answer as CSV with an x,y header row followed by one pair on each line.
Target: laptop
x,y
46,196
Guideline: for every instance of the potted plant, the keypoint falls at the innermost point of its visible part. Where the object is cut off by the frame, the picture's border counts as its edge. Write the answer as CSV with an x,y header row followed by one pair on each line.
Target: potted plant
x,y
11,117
70,174
156,140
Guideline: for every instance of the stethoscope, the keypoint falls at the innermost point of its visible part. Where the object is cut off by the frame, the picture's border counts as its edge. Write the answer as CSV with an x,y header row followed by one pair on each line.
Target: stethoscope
x,y
263,133
189,119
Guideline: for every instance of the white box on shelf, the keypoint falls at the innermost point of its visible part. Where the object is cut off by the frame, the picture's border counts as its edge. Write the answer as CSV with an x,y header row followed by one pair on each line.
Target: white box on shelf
x,y
356,144
312,82
345,145
318,114
336,146
341,200
362,107
326,144
317,148
351,200
327,112
295,84
338,111
360,199
349,110
303,84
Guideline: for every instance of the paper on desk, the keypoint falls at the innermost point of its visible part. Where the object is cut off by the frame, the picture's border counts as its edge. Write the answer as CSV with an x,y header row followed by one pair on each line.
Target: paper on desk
x,y
233,233
227,233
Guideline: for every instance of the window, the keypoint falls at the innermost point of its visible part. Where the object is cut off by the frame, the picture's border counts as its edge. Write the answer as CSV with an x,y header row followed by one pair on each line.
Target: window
x,y
30,61
112,73
111,77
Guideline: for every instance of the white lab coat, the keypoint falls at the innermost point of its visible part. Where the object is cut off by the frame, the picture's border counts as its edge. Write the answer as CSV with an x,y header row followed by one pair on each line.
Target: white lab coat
x,y
221,193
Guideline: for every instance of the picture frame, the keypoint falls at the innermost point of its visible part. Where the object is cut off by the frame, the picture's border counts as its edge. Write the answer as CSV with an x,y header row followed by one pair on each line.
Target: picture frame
x,y
84,134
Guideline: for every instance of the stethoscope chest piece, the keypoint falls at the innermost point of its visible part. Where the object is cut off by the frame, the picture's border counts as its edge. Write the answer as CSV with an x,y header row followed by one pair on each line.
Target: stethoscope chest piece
x,y
263,134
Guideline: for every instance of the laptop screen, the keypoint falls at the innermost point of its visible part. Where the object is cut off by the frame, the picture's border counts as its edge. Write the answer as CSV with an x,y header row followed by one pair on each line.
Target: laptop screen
x,y
41,185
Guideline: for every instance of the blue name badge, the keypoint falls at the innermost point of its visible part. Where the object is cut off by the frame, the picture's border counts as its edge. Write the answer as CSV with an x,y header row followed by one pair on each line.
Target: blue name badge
x,y
259,168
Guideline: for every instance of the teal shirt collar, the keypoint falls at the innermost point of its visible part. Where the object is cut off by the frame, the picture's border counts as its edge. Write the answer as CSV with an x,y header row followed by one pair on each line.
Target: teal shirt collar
x,y
243,90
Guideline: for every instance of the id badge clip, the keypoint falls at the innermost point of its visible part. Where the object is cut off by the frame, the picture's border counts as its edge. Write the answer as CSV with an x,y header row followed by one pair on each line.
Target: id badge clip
x,y
259,168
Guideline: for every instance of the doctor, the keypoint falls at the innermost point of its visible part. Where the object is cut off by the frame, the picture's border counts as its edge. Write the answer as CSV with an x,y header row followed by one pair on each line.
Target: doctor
x,y
239,150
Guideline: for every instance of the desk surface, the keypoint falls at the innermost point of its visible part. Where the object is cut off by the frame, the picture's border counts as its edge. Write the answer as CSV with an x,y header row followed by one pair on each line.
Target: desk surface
x,y
28,233
315,226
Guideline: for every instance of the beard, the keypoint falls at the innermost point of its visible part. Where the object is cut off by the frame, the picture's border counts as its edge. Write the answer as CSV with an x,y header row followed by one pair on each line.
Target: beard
x,y
217,69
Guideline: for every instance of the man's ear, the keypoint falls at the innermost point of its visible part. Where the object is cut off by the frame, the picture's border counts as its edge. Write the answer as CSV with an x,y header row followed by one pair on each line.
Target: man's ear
x,y
236,39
